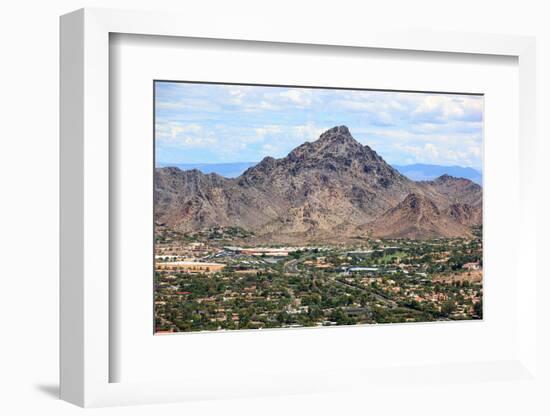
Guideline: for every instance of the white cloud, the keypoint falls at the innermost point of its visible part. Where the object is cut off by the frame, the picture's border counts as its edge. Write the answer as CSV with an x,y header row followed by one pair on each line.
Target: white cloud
x,y
440,155
268,130
182,135
299,97
178,129
268,149
247,122
307,132
443,108
431,150
279,140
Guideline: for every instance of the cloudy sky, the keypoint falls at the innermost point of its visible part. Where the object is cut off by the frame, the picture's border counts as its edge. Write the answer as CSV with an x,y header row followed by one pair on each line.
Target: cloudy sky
x,y
202,123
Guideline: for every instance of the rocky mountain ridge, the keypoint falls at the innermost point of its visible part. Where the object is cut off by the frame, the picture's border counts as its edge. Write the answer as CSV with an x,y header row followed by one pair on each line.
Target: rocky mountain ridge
x,y
333,188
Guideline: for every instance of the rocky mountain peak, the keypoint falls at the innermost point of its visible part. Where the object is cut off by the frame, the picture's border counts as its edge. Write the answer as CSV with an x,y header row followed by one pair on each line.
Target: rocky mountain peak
x,y
455,189
337,148
337,139
336,132
334,161
446,179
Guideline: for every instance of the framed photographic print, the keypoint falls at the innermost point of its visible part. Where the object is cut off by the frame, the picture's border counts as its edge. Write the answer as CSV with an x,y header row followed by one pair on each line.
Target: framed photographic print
x,y
284,213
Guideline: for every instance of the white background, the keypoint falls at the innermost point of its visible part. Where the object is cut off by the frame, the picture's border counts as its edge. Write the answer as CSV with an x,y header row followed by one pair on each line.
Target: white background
x,y
29,210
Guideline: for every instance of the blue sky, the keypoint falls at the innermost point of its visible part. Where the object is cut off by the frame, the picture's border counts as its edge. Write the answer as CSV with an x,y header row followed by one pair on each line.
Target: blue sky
x,y
206,123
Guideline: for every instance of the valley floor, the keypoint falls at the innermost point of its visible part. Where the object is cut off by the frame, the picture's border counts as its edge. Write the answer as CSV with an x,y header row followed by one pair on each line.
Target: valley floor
x,y
205,283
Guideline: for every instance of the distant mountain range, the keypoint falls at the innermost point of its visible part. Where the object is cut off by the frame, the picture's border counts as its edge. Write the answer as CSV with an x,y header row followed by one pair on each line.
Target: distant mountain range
x,y
333,189
424,172
416,171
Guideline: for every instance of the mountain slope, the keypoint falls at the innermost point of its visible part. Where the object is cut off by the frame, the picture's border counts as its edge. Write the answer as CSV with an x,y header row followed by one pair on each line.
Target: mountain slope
x,y
465,214
331,187
417,217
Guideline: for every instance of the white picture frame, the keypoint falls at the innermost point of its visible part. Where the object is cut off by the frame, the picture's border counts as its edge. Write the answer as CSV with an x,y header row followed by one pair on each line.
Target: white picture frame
x,y
85,200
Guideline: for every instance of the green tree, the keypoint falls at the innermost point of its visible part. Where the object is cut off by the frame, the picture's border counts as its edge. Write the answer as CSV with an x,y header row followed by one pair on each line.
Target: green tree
x,y
478,308
447,307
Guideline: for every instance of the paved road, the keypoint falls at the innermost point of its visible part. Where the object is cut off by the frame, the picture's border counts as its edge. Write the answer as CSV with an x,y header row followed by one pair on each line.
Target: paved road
x,y
391,303
291,266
